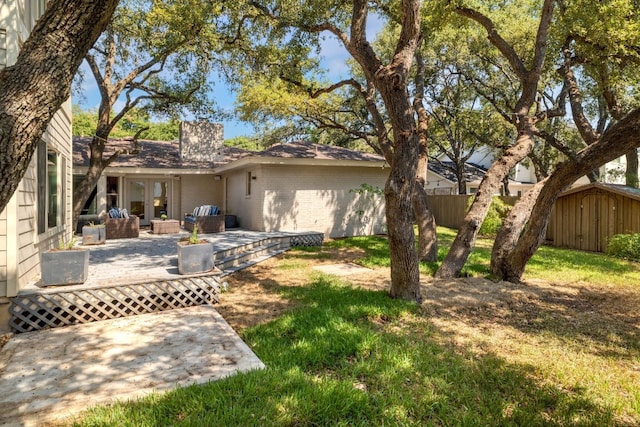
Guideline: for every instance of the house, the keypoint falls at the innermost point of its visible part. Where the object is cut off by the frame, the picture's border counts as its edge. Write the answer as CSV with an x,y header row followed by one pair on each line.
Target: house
x,y
155,177
38,213
288,187
585,217
520,180
305,186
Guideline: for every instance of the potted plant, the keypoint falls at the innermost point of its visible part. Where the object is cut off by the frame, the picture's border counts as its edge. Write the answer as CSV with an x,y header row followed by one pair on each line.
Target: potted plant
x,y
195,255
163,217
93,234
64,265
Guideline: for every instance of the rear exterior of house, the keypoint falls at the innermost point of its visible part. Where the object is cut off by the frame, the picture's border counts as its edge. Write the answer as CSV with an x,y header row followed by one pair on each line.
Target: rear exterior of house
x,y
289,187
307,195
39,212
163,177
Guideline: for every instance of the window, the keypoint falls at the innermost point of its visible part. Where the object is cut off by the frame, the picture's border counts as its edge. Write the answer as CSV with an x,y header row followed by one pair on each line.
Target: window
x,y
112,192
248,189
49,188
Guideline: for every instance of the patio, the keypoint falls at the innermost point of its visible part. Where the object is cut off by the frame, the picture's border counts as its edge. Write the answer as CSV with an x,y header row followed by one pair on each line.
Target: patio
x,y
58,371
140,275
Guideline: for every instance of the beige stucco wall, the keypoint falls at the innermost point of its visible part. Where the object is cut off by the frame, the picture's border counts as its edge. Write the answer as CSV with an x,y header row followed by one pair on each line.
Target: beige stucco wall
x,y
308,198
197,190
246,208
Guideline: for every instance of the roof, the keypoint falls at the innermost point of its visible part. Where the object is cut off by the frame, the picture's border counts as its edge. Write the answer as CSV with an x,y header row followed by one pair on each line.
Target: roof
x,y
309,150
623,190
152,155
444,169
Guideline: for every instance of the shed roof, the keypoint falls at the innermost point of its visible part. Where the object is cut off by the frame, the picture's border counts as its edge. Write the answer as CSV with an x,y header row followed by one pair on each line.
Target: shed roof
x,y
623,190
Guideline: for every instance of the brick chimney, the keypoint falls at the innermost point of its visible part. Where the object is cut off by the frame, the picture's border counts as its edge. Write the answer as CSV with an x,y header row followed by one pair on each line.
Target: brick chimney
x,y
201,141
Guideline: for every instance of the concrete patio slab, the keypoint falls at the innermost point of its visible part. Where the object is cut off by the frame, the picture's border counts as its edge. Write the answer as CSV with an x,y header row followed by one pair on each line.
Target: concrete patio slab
x,y
51,374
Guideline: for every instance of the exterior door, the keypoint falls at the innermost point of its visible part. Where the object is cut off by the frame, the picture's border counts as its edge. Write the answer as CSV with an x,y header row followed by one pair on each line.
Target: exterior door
x,y
160,198
149,199
137,200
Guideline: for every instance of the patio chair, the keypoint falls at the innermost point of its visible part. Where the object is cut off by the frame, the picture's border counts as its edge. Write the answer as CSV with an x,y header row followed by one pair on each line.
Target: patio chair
x,y
208,218
120,225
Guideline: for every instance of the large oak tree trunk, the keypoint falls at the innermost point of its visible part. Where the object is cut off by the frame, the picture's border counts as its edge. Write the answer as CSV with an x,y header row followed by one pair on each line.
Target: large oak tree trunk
x,y
399,196
631,176
618,140
468,232
512,227
32,90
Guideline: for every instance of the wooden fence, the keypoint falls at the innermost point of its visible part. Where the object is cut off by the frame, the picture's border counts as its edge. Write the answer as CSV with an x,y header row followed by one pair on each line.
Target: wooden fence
x,y
449,211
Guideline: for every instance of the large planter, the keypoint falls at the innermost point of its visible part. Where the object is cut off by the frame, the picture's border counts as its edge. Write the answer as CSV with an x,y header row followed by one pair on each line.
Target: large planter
x,y
95,235
196,258
64,267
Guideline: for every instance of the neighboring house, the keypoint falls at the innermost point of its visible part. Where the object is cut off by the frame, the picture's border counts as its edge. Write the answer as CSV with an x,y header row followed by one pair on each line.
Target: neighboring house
x,y
289,187
39,212
520,180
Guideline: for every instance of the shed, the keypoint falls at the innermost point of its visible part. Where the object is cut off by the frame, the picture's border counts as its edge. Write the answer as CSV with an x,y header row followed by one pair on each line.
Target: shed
x,y
585,217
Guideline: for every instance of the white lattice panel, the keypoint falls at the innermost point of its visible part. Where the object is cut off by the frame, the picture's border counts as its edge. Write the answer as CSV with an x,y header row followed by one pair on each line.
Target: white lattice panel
x,y
314,239
50,310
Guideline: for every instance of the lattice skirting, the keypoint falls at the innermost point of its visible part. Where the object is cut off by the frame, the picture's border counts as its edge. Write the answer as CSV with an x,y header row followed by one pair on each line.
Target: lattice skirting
x,y
36,311
315,239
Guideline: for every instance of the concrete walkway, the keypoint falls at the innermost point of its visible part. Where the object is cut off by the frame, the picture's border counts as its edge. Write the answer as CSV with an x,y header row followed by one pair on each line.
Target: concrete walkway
x,y
54,373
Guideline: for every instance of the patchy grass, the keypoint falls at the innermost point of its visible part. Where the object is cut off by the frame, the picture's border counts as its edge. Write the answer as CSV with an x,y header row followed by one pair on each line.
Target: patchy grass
x,y
561,350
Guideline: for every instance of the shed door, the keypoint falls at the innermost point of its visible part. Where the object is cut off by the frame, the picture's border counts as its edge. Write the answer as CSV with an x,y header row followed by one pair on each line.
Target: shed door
x,y
597,221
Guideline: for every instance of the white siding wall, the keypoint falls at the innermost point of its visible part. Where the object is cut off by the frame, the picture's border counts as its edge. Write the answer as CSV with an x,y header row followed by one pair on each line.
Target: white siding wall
x,y
19,241
318,198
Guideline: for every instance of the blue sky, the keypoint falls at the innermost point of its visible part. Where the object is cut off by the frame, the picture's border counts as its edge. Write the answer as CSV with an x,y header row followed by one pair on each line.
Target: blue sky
x,y
333,58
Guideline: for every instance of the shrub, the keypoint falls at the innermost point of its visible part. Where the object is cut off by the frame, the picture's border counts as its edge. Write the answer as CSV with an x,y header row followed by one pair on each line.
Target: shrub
x,y
625,246
493,221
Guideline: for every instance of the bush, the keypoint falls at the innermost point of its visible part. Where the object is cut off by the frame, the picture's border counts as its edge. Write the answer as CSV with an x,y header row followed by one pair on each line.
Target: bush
x,y
625,246
493,221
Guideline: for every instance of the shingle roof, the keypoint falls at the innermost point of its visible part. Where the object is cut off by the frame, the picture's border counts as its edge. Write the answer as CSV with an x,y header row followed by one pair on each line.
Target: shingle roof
x,y
624,190
309,150
152,154
471,172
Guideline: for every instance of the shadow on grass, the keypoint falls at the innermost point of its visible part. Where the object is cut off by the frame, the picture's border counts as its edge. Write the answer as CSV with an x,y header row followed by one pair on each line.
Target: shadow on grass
x,y
353,357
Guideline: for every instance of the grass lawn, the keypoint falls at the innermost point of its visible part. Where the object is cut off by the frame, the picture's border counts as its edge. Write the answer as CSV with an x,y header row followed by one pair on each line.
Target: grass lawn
x,y
562,349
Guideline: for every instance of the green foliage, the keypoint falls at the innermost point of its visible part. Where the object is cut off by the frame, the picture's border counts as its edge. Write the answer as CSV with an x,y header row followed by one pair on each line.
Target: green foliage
x,y
244,142
625,246
84,121
193,238
498,211
65,245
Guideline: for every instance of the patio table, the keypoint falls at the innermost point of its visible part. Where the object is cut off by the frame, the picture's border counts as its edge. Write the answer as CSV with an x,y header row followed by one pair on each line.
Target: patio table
x,y
167,226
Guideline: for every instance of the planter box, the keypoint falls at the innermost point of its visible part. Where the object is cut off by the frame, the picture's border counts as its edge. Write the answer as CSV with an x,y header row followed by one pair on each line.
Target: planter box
x,y
64,267
194,259
94,235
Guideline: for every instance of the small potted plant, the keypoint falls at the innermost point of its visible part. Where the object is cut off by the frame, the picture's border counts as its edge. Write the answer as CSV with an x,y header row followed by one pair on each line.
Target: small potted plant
x,y
163,217
93,234
64,265
195,255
